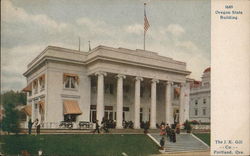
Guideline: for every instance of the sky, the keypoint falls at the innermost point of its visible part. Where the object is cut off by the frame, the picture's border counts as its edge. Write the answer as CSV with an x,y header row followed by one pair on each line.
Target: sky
x,y
179,29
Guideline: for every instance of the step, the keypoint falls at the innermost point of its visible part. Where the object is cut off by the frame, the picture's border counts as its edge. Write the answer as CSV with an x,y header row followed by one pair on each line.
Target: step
x,y
184,142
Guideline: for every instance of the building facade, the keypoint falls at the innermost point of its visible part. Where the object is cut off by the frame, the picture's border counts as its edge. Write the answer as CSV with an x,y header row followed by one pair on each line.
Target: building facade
x,y
116,83
200,98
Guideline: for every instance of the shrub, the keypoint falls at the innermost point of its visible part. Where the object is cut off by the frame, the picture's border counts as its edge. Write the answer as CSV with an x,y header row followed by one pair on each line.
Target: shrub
x,y
194,122
187,126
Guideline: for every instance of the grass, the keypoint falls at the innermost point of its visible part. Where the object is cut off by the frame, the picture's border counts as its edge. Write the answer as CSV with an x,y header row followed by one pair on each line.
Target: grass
x,y
204,137
86,144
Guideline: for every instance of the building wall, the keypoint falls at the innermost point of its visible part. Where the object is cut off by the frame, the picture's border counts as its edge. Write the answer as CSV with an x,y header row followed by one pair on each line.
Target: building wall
x,y
200,106
34,97
57,93
200,100
55,61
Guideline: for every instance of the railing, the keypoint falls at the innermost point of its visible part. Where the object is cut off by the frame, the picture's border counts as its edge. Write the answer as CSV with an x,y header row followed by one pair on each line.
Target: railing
x,y
201,127
67,125
207,87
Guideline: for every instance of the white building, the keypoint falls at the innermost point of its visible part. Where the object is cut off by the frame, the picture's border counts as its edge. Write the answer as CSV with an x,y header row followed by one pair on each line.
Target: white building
x,y
118,83
200,98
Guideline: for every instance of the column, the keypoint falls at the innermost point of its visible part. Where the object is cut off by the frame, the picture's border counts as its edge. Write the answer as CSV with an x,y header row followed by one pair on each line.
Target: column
x,y
33,111
182,106
137,102
100,96
119,99
168,103
153,104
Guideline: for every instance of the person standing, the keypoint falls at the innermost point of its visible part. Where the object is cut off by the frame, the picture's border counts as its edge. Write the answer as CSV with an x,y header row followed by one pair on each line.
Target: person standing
x,y
162,143
30,126
173,136
168,130
97,127
178,129
38,126
146,127
162,128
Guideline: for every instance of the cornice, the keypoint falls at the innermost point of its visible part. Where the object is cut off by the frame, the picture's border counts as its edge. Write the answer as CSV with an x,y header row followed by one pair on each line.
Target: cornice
x,y
39,59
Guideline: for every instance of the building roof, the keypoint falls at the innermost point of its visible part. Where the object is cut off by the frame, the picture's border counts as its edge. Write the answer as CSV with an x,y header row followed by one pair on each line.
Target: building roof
x,y
145,59
207,70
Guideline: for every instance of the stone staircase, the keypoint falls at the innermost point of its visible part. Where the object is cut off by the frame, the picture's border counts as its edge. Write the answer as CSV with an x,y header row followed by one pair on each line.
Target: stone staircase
x,y
184,143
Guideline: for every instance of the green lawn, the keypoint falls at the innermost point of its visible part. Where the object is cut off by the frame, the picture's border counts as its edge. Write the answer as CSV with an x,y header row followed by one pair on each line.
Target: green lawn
x,y
204,137
86,144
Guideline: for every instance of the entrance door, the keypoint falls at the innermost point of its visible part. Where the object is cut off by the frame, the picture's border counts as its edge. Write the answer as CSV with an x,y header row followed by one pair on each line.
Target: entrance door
x,y
109,115
92,115
141,114
176,115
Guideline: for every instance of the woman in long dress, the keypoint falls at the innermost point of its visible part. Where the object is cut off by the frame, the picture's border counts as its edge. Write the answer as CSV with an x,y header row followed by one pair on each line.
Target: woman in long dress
x,y
163,130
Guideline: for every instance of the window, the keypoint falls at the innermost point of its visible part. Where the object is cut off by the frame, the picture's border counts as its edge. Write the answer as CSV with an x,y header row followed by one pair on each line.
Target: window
x,y
195,112
92,113
176,93
35,86
204,101
204,111
42,82
70,81
141,114
196,102
70,118
206,84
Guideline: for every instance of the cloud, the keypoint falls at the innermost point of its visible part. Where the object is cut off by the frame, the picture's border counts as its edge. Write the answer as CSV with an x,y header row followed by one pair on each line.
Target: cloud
x,y
18,15
174,29
94,27
26,35
14,65
134,29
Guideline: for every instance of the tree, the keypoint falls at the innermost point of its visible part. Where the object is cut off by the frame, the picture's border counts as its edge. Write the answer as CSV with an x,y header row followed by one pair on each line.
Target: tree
x,y
11,119
15,98
187,126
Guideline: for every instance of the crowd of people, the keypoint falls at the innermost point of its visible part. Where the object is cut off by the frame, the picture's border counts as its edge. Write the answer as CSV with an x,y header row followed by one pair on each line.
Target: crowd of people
x,y
110,124
106,124
169,131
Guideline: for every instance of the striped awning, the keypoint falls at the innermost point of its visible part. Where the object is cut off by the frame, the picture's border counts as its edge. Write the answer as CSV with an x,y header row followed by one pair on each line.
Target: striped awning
x,y
28,88
75,76
42,77
71,107
42,104
177,91
27,110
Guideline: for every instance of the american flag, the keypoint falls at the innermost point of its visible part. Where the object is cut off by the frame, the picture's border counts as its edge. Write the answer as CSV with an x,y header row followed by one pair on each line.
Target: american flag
x,y
146,23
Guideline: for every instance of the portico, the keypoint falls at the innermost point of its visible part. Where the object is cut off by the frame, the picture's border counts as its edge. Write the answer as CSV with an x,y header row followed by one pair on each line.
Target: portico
x,y
135,108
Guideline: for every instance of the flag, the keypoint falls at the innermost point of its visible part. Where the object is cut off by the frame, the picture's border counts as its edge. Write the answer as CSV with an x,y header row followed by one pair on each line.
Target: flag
x,y
146,23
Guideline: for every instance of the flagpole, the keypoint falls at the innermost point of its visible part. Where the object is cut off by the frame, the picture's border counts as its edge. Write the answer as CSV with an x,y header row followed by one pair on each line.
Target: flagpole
x,y
144,26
